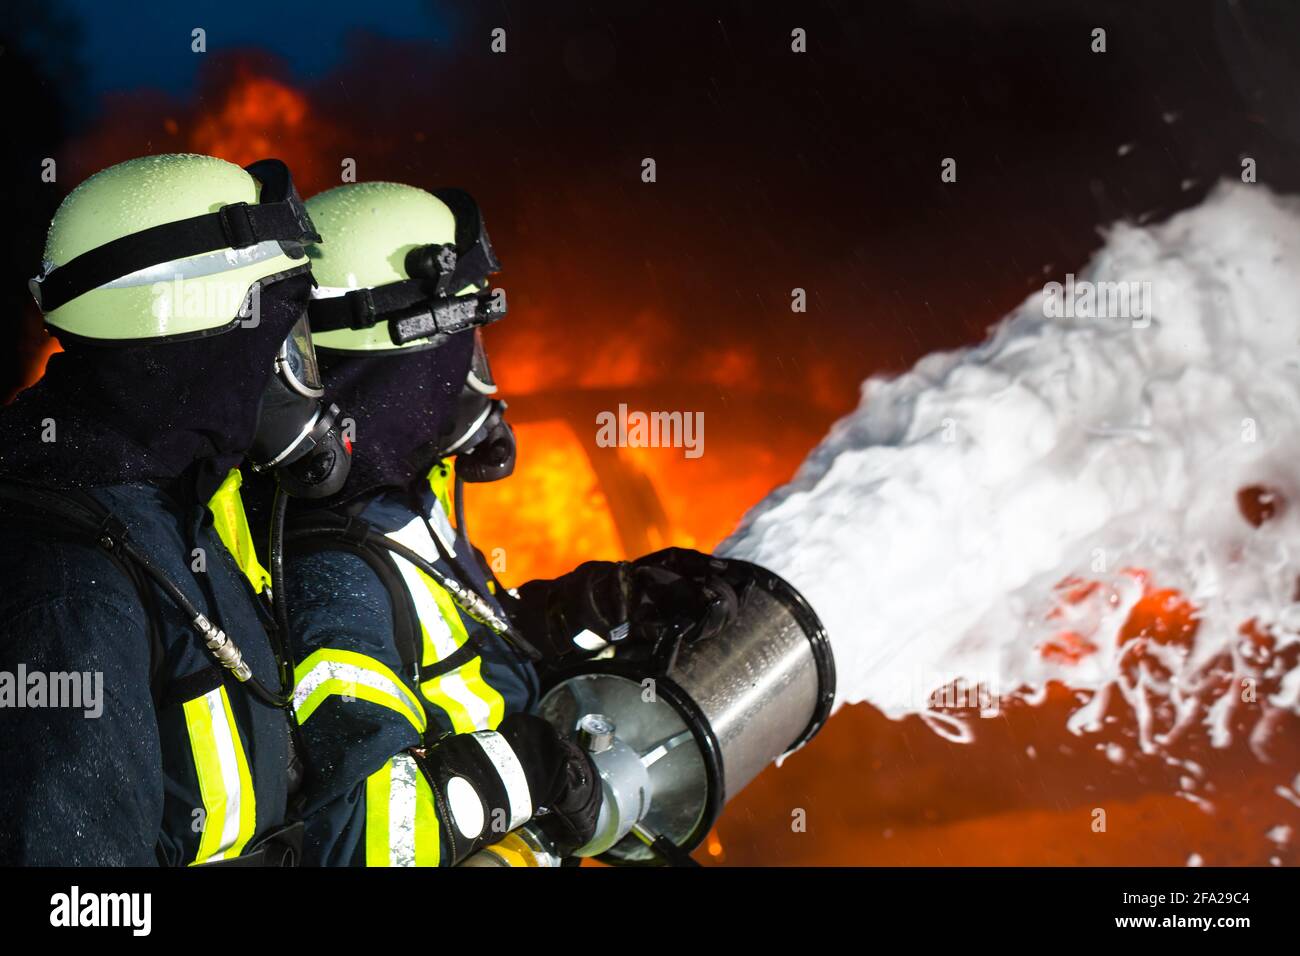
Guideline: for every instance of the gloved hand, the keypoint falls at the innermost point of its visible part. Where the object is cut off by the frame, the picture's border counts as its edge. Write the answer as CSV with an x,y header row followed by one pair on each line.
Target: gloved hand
x,y
562,781
669,594
523,770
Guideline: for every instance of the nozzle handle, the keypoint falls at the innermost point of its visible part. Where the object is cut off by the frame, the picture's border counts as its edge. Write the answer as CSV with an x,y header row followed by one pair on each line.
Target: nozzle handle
x,y
668,851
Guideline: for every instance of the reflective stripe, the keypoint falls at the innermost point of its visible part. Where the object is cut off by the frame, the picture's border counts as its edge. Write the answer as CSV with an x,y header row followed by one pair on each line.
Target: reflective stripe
x,y
428,837
401,818
512,775
377,787
206,264
401,811
470,673
231,524
225,784
440,517
470,702
329,672
440,482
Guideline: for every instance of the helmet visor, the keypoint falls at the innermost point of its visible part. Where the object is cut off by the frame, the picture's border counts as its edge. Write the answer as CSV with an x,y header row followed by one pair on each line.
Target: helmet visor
x,y
297,363
480,372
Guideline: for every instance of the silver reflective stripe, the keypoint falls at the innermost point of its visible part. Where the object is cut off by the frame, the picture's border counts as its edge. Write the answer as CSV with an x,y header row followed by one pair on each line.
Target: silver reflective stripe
x,y
511,772
224,739
209,263
415,535
225,783
441,525
348,673
401,811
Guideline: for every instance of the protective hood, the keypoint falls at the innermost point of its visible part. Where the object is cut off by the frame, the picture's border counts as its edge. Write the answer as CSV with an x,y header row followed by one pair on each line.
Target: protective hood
x,y
107,415
403,403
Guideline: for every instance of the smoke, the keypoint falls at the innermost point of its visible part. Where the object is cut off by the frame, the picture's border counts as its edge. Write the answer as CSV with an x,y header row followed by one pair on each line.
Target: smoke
x,y
1097,500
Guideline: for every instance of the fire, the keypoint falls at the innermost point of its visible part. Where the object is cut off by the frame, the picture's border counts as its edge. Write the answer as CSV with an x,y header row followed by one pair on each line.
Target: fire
x,y
570,500
1162,616
36,366
257,117
549,516
1159,615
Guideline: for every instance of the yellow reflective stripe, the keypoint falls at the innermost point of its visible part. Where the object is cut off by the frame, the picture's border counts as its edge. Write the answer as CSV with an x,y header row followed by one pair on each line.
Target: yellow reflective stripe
x,y
440,482
247,797
377,786
225,783
401,817
328,672
470,672
470,703
428,838
462,722
231,524
337,687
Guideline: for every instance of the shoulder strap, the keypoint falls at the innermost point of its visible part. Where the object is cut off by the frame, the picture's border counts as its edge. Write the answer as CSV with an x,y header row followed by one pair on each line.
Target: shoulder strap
x,y
88,518
329,532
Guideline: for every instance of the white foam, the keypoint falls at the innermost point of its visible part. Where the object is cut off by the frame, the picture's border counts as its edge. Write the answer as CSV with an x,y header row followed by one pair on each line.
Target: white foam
x,y
929,528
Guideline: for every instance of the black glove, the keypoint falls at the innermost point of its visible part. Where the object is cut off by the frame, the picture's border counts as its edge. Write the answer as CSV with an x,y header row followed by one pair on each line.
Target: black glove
x,y
562,780
524,770
647,603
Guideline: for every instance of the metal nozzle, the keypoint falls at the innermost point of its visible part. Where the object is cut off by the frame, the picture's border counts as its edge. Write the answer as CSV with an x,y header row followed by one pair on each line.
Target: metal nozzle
x,y
595,733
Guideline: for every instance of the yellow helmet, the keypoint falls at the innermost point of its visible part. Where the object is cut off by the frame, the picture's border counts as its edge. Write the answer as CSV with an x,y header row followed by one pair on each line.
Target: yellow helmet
x,y
169,246
399,267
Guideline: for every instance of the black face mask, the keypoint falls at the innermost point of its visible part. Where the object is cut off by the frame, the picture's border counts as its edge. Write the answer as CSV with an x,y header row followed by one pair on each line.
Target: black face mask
x,y
163,411
404,405
486,450
298,435
480,438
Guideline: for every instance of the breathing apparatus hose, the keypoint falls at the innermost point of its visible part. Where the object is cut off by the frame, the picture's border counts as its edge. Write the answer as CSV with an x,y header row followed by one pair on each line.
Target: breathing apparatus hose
x,y
279,601
460,507
221,646
110,534
465,598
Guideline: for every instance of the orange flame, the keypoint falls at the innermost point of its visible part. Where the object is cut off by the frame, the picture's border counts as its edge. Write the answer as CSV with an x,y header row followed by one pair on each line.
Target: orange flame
x,y
260,116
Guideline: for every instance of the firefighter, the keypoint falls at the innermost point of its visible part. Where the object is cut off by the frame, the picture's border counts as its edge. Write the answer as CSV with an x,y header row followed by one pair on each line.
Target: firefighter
x,y
415,671
178,287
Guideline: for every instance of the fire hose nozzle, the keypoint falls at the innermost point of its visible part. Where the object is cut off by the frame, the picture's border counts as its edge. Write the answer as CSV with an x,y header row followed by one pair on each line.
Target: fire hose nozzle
x,y
595,734
624,783
700,722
